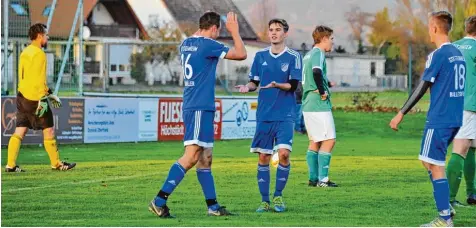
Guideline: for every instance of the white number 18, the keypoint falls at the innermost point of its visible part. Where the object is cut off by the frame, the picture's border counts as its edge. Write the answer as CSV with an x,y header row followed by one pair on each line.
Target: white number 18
x,y
460,72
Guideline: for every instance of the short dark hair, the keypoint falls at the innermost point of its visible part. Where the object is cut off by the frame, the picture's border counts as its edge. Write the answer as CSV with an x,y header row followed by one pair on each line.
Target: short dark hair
x,y
282,22
209,19
444,20
320,32
470,25
35,30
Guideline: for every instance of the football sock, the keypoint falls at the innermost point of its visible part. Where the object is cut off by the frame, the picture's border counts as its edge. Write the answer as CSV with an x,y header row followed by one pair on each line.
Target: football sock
x,y
13,150
205,178
176,174
282,175
442,197
454,173
324,162
52,150
469,171
312,158
263,178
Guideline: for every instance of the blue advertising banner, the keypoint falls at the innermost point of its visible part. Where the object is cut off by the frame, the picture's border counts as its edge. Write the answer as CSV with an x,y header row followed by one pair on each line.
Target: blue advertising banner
x,y
239,118
111,120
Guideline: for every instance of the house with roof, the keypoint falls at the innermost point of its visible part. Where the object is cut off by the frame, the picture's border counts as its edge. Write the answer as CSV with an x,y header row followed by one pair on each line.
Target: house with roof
x,y
185,15
105,21
111,22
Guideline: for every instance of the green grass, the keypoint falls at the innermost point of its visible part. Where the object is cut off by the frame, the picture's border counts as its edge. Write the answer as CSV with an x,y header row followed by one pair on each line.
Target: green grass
x,y
381,183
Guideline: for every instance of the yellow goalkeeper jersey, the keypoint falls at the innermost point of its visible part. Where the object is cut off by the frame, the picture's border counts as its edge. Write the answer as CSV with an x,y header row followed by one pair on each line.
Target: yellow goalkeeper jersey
x,y
32,73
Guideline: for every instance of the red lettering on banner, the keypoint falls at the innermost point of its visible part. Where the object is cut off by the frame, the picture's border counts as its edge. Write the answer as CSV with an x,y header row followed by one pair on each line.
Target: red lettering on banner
x,y
171,126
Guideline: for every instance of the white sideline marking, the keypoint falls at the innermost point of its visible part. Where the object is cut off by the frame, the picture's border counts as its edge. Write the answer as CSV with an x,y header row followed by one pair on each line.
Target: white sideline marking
x,y
79,182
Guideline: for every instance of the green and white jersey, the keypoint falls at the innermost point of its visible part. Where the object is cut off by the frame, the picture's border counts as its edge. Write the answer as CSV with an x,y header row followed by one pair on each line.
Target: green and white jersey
x,y
311,101
467,46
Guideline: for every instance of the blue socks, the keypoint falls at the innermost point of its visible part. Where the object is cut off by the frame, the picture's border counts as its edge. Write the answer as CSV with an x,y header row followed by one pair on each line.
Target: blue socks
x,y
205,178
282,175
441,192
176,174
263,178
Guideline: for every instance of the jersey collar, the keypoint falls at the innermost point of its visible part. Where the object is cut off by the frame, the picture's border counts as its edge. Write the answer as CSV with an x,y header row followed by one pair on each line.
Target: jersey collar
x,y
276,56
444,44
471,38
317,48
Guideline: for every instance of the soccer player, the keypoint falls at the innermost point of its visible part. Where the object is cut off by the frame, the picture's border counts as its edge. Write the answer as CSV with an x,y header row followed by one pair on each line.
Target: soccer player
x,y
33,98
200,54
463,155
278,70
445,75
317,109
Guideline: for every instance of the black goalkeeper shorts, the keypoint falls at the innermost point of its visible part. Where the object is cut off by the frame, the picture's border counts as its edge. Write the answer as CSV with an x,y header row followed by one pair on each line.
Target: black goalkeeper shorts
x,y
26,114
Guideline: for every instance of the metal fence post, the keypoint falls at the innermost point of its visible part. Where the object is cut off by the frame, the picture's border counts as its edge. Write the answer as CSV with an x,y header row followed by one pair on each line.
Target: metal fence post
x,y
6,8
81,51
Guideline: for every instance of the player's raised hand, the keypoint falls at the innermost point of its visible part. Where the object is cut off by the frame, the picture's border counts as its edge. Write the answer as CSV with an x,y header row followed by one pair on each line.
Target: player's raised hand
x,y
273,84
232,23
243,88
396,120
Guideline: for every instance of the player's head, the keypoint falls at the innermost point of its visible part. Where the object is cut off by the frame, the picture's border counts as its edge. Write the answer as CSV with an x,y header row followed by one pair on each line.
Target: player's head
x,y
37,32
277,30
210,23
323,37
470,26
439,24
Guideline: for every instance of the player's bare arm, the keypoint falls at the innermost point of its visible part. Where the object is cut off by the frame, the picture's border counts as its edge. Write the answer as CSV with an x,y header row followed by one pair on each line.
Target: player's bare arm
x,y
250,87
238,51
287,86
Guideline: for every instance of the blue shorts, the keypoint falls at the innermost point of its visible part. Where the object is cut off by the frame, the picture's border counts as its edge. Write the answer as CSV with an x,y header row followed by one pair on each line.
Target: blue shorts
x,y
272,135
435,143
199,129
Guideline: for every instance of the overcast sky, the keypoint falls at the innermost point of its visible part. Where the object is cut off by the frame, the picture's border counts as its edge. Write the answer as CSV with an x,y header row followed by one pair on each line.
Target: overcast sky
x,y
302,15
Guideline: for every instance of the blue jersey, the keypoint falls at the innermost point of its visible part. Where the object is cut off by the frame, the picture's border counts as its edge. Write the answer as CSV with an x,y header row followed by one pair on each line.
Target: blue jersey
x,y
199,56
275,104
446,70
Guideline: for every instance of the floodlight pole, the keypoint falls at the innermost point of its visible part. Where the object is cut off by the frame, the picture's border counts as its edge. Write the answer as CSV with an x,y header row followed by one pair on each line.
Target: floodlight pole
x,y
50,16
5,44
81,51
68,47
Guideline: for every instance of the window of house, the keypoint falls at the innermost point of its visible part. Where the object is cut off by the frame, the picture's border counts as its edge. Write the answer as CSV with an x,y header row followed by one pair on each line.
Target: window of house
x,y
122,67
113,67
19,9
372,69
91,52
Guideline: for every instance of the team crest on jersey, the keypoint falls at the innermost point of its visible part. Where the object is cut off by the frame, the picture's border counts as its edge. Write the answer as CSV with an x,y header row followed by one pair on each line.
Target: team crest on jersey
x,y
284,67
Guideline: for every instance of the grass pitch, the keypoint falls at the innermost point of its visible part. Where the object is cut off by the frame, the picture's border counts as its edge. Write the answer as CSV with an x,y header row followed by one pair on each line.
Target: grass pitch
x,y
381,183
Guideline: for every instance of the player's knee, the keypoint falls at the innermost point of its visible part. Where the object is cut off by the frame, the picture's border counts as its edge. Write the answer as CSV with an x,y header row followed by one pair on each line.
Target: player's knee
x,y
205,160
49,133
264,159
21,131
284,156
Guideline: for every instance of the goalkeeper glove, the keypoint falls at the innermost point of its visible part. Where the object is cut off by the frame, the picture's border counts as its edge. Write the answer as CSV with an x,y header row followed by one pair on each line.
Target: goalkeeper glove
x,y
55,101
42,107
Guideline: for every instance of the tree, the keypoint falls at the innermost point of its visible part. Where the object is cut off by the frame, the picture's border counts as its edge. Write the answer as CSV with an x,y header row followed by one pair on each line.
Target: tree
x,y
358,20
383,31
157,53
411,28
340,49
261,13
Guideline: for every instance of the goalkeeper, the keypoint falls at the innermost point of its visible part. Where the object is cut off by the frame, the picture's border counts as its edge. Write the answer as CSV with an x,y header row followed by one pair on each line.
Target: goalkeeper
x,y
33,98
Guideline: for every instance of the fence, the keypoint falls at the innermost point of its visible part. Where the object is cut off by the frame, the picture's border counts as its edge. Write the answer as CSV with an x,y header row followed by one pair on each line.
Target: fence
x,y
114,58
